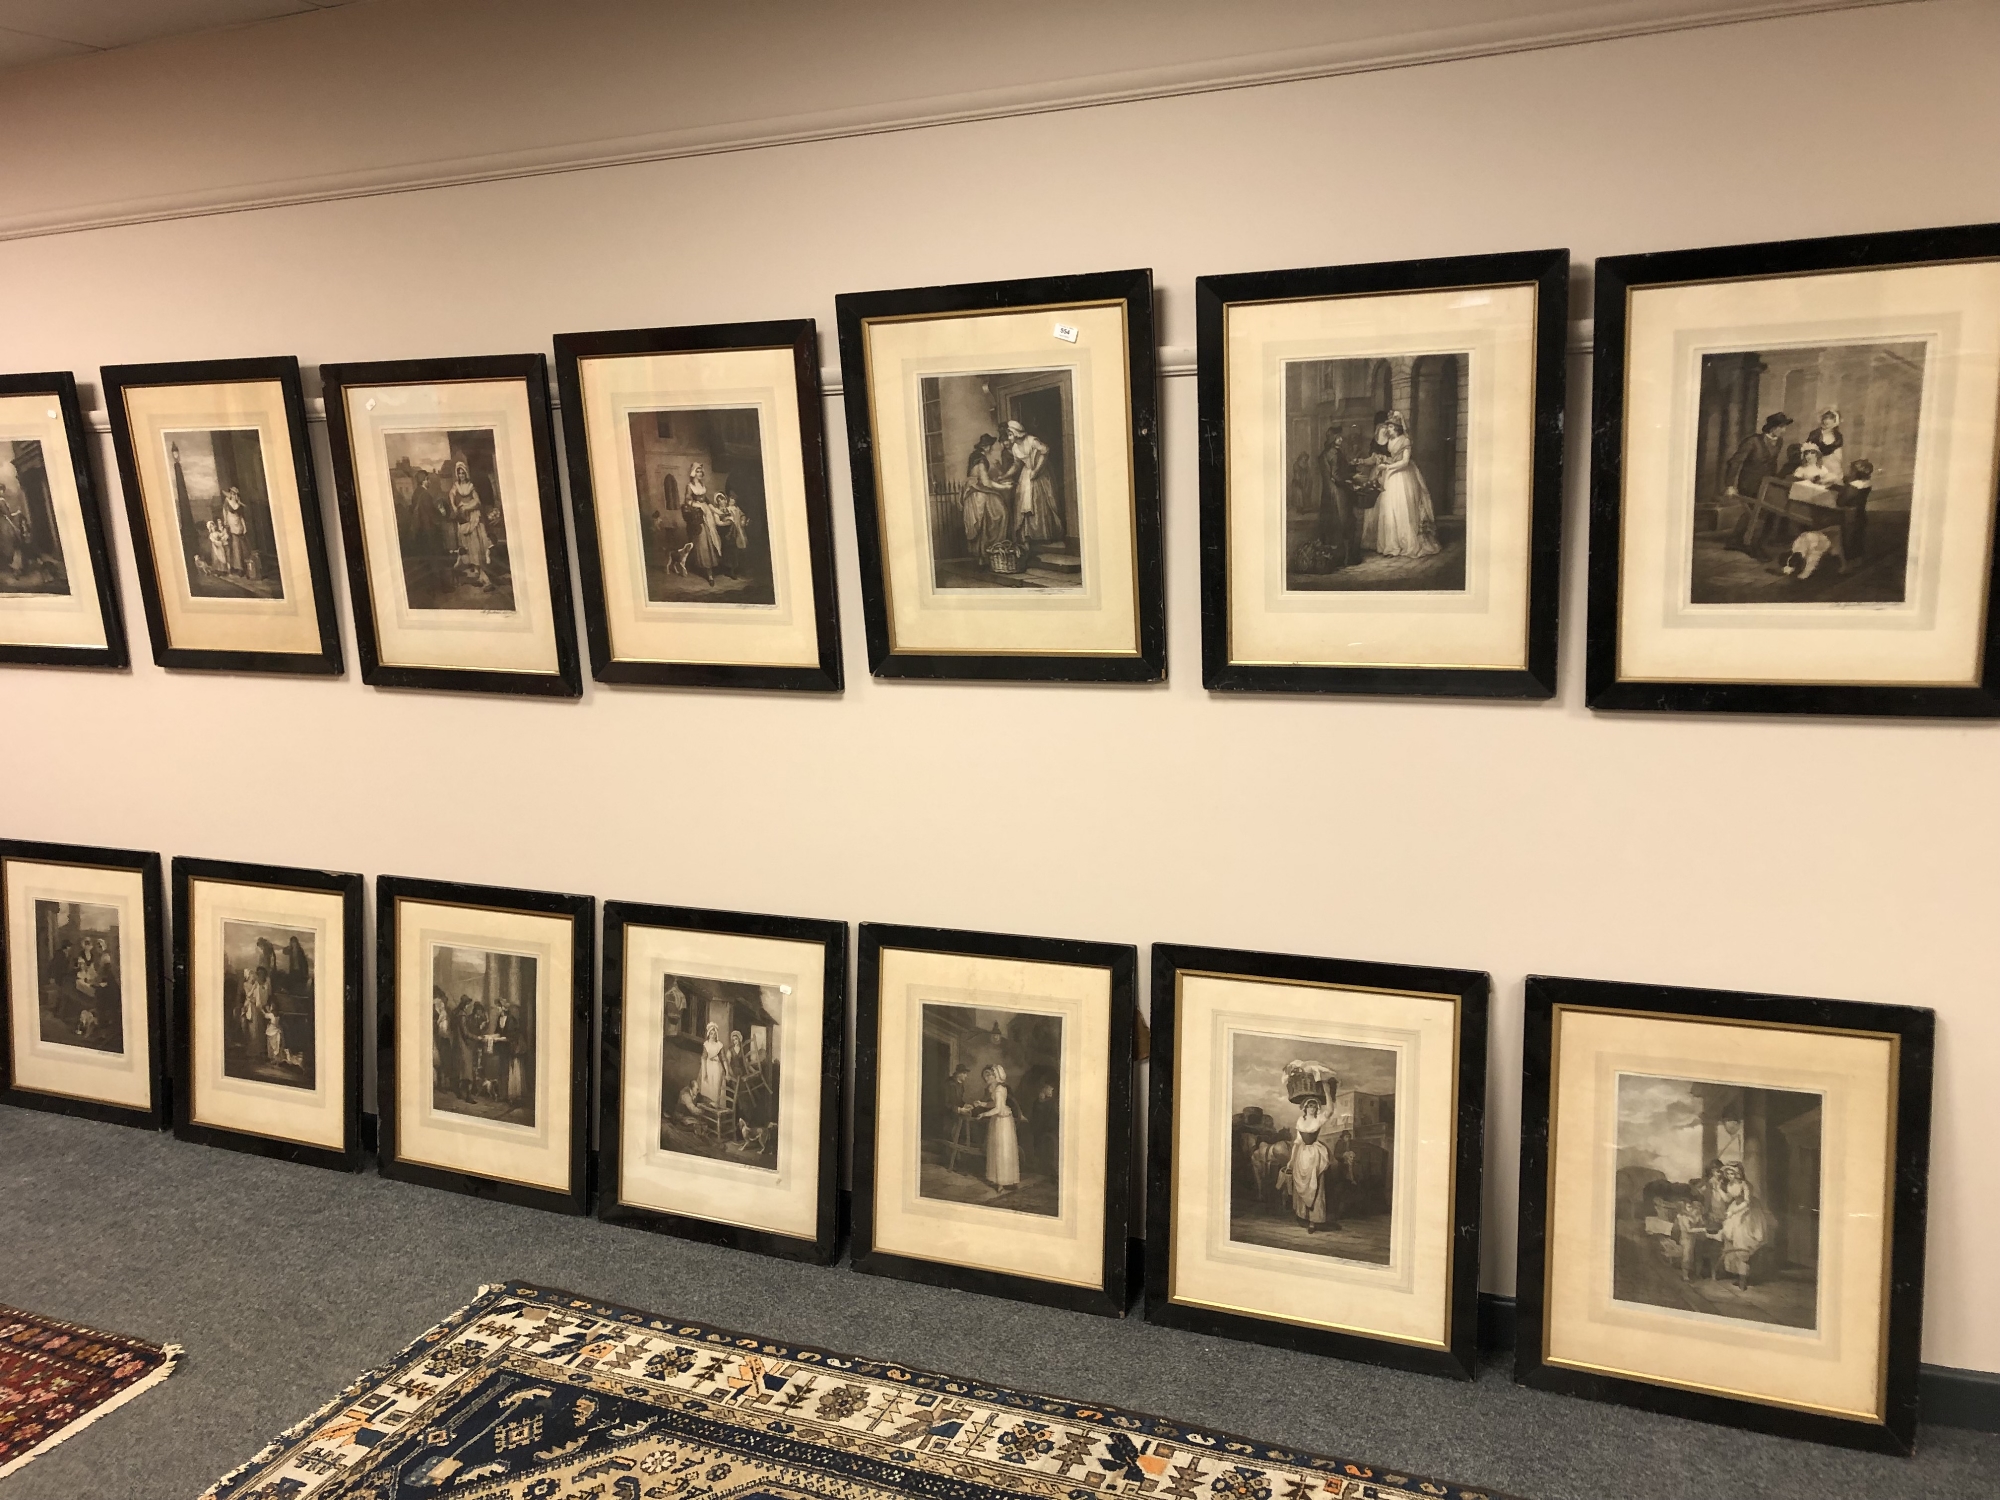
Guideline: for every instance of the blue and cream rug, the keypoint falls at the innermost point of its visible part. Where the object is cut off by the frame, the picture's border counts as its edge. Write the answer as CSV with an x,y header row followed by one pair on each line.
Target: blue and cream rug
x,y
532,1394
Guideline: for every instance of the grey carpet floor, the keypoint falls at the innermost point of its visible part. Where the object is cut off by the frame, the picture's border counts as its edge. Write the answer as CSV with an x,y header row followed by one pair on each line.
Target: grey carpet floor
x,y
284,1282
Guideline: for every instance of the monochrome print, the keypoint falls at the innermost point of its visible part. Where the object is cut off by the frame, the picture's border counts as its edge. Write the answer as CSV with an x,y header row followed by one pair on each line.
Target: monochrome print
x,y
704,518
991,1119
80,976
450,529
1312,1146
1718,1199
719,1069
1001,461
1375,473
268,1010
483,1033
1803,468
229,543
31,553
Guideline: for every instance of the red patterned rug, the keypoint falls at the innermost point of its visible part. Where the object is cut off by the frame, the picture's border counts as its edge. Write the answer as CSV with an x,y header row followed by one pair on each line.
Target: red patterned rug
x,y
58,1378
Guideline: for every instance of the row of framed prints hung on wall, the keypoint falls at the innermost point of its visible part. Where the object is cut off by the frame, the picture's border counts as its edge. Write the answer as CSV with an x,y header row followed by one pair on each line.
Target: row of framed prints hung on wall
x,y
1792,457
1722,1194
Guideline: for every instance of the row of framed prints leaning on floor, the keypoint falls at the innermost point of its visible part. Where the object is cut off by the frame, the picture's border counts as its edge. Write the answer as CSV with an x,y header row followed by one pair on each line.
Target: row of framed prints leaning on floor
x,y
1793,490
1722,1194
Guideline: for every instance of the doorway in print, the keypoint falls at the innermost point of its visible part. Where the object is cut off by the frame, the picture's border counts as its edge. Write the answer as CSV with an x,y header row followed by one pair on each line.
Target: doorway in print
x,y
1434,431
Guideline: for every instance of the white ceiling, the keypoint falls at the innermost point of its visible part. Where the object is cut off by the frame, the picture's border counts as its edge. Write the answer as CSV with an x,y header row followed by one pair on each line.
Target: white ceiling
x,y
34,30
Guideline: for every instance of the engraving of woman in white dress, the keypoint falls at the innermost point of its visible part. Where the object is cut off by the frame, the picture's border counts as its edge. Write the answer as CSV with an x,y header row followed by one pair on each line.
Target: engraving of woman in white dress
x,y
1747,1225
1003,1142
708,1082
699,508
984,500
1404,523
1307,1174
1037,517
468,512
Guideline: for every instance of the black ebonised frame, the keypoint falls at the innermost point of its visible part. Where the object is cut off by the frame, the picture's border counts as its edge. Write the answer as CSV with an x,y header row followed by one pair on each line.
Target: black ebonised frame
x,y
824,1247
854,310
801,336
1548,270
390,892
347,1158
151,950
1915,1031
284,370
533,373
1111,1298
1617,276
1458,1359
61,386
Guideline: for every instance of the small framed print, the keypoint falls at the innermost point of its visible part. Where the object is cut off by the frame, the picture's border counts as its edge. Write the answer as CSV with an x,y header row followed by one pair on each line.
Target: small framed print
x,y
724,1039
1005,447
483,1001
446,474
225,518
697,462
1722,1206
993,1114
267,1010
58,588
1793,477
82,993
1317,1135
1381,476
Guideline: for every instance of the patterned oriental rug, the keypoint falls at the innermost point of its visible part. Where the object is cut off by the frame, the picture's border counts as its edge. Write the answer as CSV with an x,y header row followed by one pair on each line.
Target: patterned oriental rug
x,y
532,1394
58,1378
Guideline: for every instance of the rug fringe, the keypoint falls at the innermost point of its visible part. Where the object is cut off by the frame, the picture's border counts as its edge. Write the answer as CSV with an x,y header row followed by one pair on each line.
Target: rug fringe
x,y
167,1367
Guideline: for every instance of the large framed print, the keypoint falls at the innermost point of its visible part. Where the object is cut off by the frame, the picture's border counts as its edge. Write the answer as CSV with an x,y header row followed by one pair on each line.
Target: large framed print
x,y
1381,476
1004,441
224,509
1793,474
267,1010
1317,1130
724,1042
449,505
697,464
82,990
1722,1206
58,588
483,1008
993,1114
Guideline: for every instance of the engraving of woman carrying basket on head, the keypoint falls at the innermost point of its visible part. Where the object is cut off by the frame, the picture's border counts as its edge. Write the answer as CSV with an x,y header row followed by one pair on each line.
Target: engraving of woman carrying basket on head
x,y
1313,1178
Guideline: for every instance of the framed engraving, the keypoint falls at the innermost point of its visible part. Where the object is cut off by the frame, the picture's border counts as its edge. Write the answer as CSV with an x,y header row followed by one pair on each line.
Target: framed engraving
x,y
724,1037
1005,451
446,475
267,1010
82,988
483,1010
697,463
1722,1206
225,518
993,1114
1793,477
1381,476
1316,1157
58,587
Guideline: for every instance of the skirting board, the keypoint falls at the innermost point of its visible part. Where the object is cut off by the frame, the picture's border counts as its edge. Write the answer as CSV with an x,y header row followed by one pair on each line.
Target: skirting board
x,y
1950,1398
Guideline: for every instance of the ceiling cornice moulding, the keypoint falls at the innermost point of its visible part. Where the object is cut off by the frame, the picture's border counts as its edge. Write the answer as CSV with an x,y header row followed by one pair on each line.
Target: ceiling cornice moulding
x,y
1497,32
